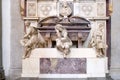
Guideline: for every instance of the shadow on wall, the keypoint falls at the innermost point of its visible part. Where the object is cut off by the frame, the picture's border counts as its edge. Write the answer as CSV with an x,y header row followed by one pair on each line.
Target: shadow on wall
x,y
2,77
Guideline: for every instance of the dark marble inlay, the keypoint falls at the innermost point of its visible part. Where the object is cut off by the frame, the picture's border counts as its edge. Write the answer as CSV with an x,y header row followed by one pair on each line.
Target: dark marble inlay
x,y
62,66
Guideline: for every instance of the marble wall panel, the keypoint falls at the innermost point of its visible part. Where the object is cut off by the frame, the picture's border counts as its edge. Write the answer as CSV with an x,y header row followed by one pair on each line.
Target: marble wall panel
x,y
90,9
85,9
101,9
47,9
31,8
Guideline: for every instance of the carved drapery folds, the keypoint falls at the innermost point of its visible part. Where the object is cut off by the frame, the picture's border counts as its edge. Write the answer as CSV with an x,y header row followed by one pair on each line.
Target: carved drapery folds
x,y
98,40
64,33
63,42
51,16
77,28
32,39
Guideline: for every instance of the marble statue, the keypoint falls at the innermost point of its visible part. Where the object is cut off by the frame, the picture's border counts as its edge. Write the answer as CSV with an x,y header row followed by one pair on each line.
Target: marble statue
x,y
97,41
65,10
31,40
63,42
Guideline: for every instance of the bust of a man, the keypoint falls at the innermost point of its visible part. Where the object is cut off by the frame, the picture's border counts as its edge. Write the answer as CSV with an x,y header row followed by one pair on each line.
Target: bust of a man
x,y
65,10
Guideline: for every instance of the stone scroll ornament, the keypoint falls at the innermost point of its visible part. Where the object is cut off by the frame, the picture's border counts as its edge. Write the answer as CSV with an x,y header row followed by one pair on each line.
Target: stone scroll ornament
x,y
32,39
22,8
63,42
97,41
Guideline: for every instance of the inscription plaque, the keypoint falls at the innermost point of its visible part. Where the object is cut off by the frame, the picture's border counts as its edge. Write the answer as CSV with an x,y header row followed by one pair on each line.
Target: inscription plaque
x,y
62,66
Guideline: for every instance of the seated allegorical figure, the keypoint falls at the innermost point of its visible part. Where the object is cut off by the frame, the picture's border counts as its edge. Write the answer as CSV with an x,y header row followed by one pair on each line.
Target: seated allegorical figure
x,y
63,42
31,40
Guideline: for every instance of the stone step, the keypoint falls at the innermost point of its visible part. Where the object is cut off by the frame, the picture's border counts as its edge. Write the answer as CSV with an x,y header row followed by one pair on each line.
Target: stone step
x,y
108,78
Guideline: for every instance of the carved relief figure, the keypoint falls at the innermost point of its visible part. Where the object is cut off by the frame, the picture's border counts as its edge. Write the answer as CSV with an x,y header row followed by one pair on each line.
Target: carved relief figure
x,y
65,10
22,8
98,41
31,40
63,42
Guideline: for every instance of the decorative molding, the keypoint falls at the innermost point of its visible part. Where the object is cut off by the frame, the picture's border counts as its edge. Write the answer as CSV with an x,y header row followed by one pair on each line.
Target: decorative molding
x,y
100,0
22,8
98,18
37,8
103,25
101,9
30,18
31,9
85,9
47,9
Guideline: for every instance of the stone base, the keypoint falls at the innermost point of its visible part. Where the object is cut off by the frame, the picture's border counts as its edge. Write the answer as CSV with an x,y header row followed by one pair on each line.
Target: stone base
x,y
52,79
96,67
108,78
15,74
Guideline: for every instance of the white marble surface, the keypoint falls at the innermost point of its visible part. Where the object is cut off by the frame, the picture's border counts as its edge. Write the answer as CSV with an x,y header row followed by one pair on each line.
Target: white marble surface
x,y
47,9
96,67
54,53
85,9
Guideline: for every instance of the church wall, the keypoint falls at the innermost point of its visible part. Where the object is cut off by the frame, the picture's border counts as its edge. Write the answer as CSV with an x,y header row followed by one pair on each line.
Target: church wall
x,y
115,40
17,31
12,33
0,34
6,29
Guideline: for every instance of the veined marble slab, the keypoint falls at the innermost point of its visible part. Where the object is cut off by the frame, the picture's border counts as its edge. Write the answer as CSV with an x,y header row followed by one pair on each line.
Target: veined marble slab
x,y
62,66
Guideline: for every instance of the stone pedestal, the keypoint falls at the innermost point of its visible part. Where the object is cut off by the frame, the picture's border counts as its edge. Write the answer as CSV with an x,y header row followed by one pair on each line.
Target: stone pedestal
x,y
95,67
